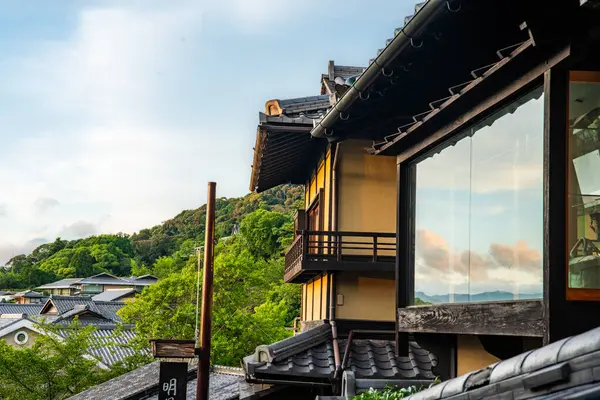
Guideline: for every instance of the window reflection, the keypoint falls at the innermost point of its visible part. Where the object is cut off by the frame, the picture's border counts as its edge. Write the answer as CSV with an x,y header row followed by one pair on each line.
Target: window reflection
x,y
584,180
479,211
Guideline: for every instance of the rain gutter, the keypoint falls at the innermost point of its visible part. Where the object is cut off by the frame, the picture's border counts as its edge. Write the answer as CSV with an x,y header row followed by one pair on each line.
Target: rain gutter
x,y
403,39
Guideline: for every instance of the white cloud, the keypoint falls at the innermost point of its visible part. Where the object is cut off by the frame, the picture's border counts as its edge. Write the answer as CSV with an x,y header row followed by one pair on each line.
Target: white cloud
x,y
44,204
78,229
101,140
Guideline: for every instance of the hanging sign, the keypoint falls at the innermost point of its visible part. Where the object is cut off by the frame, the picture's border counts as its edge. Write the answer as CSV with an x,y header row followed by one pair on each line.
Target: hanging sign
x,y
172,381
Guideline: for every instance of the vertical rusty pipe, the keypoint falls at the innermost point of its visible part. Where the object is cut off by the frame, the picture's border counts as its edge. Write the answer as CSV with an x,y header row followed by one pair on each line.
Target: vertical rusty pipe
x,y
207,296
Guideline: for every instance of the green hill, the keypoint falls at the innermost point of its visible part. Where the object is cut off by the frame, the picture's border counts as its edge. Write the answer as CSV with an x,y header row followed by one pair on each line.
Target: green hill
x,y
142,252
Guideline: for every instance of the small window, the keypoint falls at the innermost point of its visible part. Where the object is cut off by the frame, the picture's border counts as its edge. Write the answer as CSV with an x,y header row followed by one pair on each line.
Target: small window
x,y
21,337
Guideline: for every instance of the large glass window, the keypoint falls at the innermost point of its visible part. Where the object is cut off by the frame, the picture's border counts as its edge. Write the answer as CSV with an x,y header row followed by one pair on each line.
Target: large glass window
x,y
479,211
584,185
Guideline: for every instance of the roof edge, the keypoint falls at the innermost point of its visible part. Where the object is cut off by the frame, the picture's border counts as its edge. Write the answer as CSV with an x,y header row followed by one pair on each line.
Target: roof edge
x,y
429,11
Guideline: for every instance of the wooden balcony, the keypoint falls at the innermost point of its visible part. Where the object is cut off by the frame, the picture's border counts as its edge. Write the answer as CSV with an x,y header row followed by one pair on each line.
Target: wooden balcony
x,y
314,252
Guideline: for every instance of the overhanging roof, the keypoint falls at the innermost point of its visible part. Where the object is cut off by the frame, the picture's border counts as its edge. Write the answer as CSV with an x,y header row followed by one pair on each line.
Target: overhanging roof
x,y
285,152
439,51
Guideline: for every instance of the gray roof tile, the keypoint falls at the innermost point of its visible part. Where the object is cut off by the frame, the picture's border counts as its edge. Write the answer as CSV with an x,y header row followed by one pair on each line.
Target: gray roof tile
x,y
535,374
310,355
221,386
112,295
62,284
12,308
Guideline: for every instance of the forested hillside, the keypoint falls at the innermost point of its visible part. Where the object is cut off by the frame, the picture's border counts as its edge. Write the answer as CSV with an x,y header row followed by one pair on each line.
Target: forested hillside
x,y
158,250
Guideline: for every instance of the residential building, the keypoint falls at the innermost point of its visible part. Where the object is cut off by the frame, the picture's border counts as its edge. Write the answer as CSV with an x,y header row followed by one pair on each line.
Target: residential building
x,y
343,254
6,296
96,284
491,111
19,324
28,297
63,287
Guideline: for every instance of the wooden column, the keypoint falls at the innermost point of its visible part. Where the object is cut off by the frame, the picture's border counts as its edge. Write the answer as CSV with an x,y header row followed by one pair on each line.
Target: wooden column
x,y
555,194
403,268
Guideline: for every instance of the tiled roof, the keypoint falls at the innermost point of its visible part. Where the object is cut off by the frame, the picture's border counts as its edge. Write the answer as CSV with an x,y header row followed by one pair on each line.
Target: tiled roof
x,y
546,373
112,295
4,322
62,284
109,309
310,355
305,105
13,308
29,294
222,386
111,345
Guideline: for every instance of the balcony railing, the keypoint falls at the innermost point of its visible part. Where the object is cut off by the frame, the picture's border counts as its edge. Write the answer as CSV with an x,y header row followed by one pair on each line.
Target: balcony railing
x,y
314,250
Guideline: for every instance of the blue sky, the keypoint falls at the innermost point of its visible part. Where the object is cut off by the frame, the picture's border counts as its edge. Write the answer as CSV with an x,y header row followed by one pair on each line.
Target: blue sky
x,y
115,114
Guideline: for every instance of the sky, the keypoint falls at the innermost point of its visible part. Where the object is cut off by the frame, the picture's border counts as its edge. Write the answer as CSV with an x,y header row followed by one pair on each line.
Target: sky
x,y
114,115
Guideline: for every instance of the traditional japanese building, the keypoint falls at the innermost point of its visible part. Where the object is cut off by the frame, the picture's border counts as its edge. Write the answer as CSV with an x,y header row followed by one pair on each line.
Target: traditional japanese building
x,y
343,254
491,110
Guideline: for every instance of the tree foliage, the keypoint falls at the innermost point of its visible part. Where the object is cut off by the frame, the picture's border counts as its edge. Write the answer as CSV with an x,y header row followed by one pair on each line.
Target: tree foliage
x,y
159,250
252,305
56,366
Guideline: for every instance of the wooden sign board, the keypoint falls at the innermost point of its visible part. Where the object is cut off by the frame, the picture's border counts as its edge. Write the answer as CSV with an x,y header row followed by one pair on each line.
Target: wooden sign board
x,y
172,381
173,348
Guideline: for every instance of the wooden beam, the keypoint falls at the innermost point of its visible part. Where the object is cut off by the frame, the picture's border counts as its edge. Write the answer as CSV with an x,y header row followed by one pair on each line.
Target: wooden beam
x,y
162,348
483,108
516,318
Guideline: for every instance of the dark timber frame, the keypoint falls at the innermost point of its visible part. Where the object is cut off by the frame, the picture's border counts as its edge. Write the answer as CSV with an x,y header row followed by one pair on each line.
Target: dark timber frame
x,y
553,317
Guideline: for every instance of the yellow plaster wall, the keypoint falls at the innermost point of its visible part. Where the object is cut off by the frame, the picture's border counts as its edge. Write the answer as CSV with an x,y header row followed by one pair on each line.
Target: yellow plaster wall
x,y
365,298
367,189
320,179
471,355
324,285
314,299
308,299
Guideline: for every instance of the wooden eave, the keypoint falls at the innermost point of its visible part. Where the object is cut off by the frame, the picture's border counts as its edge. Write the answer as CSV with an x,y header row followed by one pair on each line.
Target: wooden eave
x,y
452,52
283,153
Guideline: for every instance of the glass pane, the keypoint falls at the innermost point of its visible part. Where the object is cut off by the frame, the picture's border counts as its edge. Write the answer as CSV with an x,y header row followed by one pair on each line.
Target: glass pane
x,y
507,181
442,225
584,185
479,211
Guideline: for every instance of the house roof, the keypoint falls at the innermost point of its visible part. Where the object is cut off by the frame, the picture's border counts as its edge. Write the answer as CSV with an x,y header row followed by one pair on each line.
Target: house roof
x,y
569,366
110,343
337,71
71,304
104,279
13,308
284,149
29,294
61,284
113,295
444,52
309,355
222,386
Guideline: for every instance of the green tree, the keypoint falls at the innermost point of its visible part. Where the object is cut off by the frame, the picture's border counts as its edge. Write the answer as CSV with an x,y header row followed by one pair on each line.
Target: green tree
x,y
264,232
55,367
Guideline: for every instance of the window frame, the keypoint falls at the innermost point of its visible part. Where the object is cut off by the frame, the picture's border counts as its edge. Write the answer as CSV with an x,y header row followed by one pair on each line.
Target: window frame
x,y
575,294
410,166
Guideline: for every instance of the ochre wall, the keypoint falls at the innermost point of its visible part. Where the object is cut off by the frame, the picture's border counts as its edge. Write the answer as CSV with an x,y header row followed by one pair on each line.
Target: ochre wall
x,y
366,298
367,193
471,355
314,299
320,179
367,189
